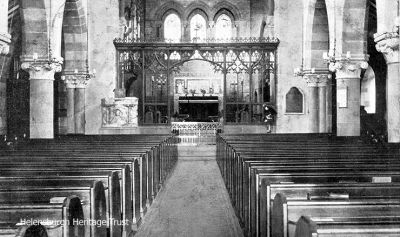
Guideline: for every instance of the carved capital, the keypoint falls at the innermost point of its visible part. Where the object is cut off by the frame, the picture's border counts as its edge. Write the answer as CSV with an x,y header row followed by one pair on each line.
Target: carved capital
x,y
317,79
42,69
5,40
388,44
347,67
79,80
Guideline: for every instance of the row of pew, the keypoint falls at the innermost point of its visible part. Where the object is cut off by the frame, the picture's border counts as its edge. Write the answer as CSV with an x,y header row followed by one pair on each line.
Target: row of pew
x,y
303,185
78,186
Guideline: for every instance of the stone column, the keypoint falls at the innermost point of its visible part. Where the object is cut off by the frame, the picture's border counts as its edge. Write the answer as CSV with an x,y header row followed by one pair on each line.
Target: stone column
x,y
70,84
79,106
388,44
41,115
186,31
211,30
76,86
5,40
312,82
322,94
348,73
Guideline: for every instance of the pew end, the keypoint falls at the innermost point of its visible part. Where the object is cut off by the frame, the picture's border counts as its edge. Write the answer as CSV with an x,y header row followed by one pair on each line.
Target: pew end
x,y
341,227
60,218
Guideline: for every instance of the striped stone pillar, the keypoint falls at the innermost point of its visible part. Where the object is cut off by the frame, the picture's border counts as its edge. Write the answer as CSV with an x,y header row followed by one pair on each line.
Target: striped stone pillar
x,y
388,44
313,110
76,92
322,97
70,84
317,82
41,76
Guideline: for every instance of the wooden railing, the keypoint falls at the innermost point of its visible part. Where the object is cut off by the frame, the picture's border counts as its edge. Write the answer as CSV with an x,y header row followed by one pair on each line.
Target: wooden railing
x,y
196,128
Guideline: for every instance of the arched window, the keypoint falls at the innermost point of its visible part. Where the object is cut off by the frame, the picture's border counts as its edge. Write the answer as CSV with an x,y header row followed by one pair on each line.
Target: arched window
x,y
172,28
368,91
294,101
223,27
198,27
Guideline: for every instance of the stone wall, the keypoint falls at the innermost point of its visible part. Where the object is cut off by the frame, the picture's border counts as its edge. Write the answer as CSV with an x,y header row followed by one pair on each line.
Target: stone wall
x,y
103,27
288,27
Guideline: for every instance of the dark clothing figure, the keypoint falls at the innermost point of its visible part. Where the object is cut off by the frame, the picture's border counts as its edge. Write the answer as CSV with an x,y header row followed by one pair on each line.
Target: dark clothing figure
x,y
269,117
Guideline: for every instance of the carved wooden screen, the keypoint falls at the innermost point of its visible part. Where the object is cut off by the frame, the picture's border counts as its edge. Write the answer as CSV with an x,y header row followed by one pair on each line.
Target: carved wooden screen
x,y
247,65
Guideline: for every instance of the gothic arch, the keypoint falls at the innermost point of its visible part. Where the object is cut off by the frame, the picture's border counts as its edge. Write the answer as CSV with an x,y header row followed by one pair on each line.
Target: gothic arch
x,y
197,8
170,11
226,12
164,9
227,6
198,11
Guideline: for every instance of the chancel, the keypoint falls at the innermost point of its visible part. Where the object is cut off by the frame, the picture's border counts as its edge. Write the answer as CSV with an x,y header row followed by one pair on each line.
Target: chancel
x,y
199,118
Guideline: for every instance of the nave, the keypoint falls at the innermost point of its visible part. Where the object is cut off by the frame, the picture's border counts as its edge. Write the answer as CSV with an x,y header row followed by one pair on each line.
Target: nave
x,y
194,201
289,185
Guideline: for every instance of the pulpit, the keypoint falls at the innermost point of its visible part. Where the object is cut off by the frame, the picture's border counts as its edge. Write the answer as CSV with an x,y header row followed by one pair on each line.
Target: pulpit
x,y
119,112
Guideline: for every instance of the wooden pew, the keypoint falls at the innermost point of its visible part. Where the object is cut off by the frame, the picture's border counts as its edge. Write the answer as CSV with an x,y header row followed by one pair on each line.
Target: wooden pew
x,y
251,188
355,227
285,213
233,166
13,230
147,185
110,179
317,188
159,154
91,194
61,216
95,162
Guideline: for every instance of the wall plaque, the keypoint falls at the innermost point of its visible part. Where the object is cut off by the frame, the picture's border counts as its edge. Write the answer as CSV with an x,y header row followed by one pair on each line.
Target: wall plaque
x,y
342,97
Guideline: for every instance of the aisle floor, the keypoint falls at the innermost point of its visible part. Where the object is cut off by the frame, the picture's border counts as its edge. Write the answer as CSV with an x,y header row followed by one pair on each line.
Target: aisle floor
x,y
194,201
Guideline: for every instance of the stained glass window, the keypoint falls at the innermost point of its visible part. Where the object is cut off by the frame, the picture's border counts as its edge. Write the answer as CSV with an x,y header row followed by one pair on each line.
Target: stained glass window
x,y
223,27
172,28
198,28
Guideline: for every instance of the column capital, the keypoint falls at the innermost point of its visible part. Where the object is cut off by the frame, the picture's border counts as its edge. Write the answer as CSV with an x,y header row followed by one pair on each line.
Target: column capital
x,y
41,69
348,68
318,78
388,44
5,40
211,24
185,24
78,80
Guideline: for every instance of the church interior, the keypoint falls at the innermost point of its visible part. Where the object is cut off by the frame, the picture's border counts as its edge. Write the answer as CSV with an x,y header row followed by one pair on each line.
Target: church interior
x,y
199,118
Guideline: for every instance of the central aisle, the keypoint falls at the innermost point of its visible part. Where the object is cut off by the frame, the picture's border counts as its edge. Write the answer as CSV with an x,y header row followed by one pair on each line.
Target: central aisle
x,y
194,202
